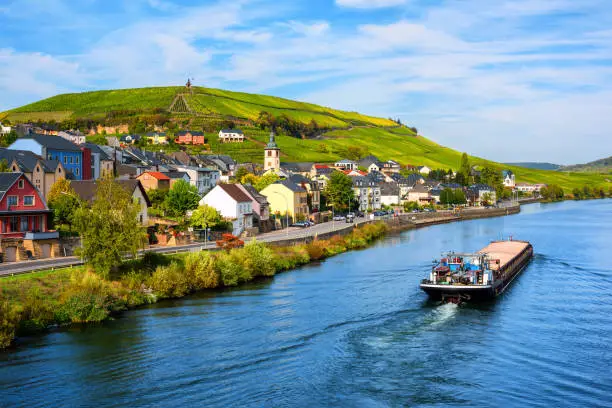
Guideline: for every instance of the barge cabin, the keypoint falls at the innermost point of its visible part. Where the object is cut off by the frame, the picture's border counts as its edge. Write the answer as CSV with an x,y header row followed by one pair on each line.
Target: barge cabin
x,y
477,276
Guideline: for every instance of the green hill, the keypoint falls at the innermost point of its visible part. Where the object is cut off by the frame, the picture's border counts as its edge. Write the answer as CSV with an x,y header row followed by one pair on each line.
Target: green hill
x,y
536,165
597,166
346,130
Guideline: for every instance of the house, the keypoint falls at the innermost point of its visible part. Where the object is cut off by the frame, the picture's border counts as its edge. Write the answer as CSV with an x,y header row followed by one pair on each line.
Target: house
x,y
346,164
101,163
54,148
390,194
367,192
224,163
420,194
4,130
156,138
353,173
317,169
424,170
370,163
272,155
201,177
391,167
154,180
529,188
303,168
86,190
129,139
261,207
182,158
190,137
73,136
508,177
312,187
24,221
231,136
477,194
286,197
42,173
176,176
233,204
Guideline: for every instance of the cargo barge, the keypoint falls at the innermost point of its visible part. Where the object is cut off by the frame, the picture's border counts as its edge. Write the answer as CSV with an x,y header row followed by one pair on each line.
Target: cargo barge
x,y
477,276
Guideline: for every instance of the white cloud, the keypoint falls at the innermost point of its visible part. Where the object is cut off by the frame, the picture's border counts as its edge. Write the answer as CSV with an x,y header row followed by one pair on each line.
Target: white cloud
x,y
370,4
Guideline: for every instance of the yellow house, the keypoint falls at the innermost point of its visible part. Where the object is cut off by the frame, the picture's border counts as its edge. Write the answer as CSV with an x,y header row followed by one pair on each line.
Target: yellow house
x,y
156,138
286,196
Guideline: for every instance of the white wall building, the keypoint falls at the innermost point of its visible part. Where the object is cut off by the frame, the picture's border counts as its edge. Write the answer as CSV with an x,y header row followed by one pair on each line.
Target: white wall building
x,y
4,130
231,136
201,177
424,170
74,136
233,204
509,180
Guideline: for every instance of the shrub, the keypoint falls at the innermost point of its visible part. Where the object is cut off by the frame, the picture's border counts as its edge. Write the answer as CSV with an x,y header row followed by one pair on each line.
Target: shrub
x,y
9,320
200,269
89,298
229,241
170,281
233,268
261,258
38,311
316,250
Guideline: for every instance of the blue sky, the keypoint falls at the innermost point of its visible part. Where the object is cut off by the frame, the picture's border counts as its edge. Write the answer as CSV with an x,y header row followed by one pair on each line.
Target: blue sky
x,y
506,80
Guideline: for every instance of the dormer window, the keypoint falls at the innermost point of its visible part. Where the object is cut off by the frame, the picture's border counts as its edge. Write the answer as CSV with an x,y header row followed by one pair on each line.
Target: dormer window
x,y
21,184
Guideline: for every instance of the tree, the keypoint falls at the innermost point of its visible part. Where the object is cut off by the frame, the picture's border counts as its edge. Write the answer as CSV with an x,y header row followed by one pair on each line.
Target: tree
x,y
265,180
229,241
64,203
249,178
446,196
205,216
459,196
339,190
4,166
181,198
240,173
110,228
8,139
465,168
486,199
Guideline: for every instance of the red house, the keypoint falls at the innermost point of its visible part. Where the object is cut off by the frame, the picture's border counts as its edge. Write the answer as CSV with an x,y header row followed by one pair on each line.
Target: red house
x,y
24,221
190,138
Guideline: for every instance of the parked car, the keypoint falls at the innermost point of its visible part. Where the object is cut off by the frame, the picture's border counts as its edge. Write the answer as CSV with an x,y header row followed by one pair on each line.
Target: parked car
x,y
379,213
339,217
359,214
350,217
301,224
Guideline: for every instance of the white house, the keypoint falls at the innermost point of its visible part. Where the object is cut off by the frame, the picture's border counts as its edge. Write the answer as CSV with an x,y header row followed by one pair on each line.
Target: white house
x,y
346,164
508,176
529,188
231,136
233,204
201,177
424,170
479,193
4,130
74,136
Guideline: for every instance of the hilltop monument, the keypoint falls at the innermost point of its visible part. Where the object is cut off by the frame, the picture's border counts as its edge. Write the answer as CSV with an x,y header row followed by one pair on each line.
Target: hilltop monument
x,y
272,155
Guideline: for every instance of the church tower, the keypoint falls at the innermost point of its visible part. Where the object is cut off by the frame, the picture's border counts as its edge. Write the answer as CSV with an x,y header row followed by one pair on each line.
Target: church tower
x,y
272,155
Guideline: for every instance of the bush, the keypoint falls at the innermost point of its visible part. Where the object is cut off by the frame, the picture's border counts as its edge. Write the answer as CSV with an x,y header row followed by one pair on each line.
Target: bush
x,y
233,268
38,311
200,269
170,281
261,258
89,298
316,250
9,320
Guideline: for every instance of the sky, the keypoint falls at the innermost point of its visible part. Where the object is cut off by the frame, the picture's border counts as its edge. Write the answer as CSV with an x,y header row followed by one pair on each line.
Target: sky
x,y
508,80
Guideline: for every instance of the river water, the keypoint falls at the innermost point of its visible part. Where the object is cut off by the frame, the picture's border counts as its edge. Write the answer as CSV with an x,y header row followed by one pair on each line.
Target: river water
x,y
355,331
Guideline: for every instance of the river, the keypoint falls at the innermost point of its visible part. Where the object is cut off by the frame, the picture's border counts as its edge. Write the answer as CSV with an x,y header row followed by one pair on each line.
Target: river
x,y
355,331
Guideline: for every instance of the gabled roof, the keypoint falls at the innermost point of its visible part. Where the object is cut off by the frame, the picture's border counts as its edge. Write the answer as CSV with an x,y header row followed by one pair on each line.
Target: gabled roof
x,y
235,193
419,188
231,131
298,179
6,182
389,189
174,175
86,189
481,187
298,167
291,186
346,161
53,142
193,133
257,196
157,175
507,173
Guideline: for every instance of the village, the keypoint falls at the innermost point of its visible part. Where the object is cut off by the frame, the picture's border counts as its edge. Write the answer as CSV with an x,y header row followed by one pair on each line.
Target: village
x,y
247,198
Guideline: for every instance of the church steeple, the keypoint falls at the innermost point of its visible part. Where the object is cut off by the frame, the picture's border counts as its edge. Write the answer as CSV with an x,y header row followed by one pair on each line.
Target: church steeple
x,y
272,154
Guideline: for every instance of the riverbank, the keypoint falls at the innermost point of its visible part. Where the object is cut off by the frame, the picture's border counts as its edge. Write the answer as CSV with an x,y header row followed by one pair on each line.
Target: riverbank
x,y
36,302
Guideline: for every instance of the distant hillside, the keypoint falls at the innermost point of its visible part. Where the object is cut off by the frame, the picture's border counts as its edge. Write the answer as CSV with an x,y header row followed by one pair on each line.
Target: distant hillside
x,y
343,134
597,166
180,102
536,165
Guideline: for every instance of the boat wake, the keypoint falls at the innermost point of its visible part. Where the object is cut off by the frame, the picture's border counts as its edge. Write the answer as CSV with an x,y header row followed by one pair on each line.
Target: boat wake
x,y
442,314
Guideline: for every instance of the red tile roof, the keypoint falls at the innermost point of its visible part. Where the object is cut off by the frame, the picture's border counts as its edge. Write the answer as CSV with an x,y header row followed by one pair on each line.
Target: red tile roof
x,y
157,175
321,166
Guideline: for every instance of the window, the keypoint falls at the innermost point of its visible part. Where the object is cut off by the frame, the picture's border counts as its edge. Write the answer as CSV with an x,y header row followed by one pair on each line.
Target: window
x,y
65,160
76,160
24,224
13,201
21,183
70,160
50,157
269,153
14,224
76,171
28,200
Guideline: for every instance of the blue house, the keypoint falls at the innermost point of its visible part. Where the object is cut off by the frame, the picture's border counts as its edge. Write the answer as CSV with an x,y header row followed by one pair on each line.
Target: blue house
x,y
53,148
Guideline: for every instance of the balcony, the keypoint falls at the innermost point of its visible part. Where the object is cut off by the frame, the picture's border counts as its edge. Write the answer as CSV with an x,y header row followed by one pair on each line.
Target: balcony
x,y
42,235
